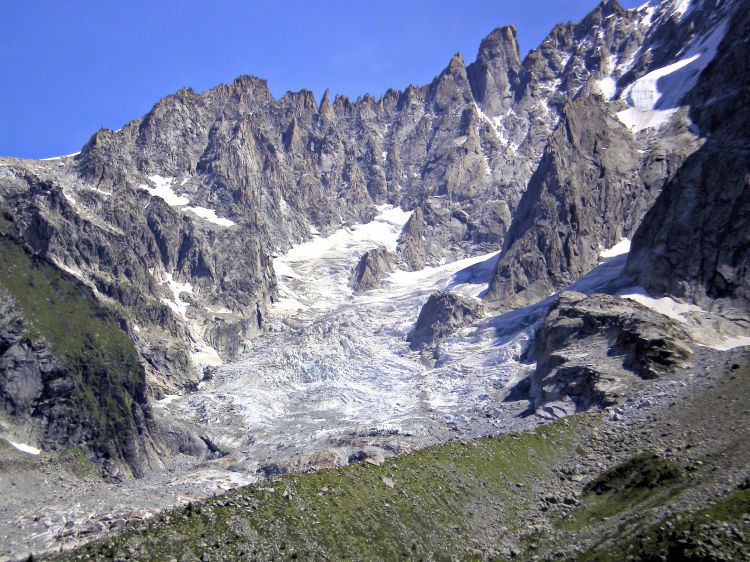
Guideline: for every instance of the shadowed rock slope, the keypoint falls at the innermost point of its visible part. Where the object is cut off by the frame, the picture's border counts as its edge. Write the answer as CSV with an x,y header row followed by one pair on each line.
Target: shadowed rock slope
x,y
598,177
694,243
71,374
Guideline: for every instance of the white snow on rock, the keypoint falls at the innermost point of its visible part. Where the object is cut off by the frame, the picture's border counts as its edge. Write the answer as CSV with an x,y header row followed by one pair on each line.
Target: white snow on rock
x,y
622,247
655,97
163,187
607,86
25,448
682,8
100,191
69,198
176,304
60,157
698,322
664,305
210,216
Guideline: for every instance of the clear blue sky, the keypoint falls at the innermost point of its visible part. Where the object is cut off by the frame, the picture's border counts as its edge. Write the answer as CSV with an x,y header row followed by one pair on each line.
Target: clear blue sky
x,y
70,67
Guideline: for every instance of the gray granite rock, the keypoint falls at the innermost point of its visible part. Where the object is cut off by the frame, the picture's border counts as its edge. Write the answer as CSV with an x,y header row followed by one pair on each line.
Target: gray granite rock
x,y
441,315
593,351
373,266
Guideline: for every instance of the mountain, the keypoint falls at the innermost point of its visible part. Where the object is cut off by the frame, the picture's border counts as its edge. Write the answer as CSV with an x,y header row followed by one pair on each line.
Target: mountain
x,y
214,283
693,242
626,137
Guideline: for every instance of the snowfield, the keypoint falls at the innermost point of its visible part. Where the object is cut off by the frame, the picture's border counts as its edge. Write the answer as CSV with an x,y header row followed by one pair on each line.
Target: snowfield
x,y
655,97
163,187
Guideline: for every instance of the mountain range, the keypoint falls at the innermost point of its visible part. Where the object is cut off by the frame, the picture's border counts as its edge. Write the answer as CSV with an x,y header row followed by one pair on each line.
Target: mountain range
x,y
594,196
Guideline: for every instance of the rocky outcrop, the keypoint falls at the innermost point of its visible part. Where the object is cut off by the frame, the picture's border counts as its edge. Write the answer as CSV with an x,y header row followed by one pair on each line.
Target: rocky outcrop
x,y
70,374
592,351
694,243
441,315
585,195
373,266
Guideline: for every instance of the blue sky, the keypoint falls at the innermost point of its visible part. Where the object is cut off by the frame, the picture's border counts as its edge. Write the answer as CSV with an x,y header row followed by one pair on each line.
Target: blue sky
x,y
70,67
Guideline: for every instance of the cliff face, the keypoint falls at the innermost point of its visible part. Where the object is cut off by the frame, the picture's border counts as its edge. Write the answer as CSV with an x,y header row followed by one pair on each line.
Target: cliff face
x,y
694,242
620,140
71,375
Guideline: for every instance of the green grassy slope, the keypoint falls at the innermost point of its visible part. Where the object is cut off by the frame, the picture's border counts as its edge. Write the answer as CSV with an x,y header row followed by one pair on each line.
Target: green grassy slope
x,y
431,503
101,384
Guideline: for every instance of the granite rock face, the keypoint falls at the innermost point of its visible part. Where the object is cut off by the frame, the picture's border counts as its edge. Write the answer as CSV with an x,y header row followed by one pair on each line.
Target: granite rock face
x,y
373,266
694,243
610,156
592,351
585,195
441,315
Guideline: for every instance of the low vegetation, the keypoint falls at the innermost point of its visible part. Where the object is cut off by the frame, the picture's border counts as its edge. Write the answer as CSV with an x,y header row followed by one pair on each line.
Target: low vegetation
x,y
100,382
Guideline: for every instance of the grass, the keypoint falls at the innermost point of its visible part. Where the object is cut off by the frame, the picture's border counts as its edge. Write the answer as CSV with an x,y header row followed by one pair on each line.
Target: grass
x,y
442,498
644,480
714,533
103,376
75,461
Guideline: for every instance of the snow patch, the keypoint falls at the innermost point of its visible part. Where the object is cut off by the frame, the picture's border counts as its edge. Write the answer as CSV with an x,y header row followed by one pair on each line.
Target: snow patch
x,y
163,188
622,247
664,305
100,191
69,198
210,216
607,86
176,304
25,448
60,157
682,8
655,97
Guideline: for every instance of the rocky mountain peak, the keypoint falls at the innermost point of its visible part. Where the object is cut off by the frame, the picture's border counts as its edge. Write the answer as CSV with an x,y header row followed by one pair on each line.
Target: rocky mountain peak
x,y
341,104
456,66
301,101
326,109
248,84
452,85
604,9
494,74
501,44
